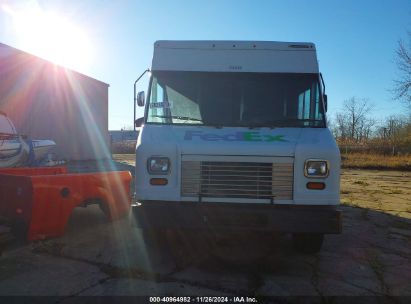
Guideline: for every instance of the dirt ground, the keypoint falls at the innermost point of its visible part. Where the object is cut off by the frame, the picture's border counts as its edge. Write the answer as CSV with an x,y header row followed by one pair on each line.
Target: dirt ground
x,y
372,257
384,191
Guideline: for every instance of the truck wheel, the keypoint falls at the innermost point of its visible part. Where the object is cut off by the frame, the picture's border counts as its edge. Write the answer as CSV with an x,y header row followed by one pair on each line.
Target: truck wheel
x,y
308,242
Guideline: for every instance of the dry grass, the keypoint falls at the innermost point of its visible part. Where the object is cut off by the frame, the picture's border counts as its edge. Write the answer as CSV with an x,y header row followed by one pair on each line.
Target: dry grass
x,y
376,161
124,147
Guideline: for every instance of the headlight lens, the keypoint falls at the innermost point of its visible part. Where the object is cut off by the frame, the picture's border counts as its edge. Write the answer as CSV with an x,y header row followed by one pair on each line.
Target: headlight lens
x,y
158,165
316,168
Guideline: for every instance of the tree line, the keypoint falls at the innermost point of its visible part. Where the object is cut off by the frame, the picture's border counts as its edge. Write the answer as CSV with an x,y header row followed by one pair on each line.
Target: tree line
x,y
356,130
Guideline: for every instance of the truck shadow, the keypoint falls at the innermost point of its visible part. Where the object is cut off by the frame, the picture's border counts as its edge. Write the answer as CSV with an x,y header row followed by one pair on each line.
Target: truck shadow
x,y
370,257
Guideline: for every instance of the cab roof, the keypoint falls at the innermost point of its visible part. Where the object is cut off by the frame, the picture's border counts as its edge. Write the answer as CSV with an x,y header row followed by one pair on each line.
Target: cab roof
x,y
235,56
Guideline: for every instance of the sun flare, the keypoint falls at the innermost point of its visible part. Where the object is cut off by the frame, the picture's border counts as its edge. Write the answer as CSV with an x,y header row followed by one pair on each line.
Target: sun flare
x,y
52,37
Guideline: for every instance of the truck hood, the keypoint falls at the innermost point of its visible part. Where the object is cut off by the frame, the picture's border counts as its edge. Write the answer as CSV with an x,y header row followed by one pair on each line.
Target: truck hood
x,y
224,141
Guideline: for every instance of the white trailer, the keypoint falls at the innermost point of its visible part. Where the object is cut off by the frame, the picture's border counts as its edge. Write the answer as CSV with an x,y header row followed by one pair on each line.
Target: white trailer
x,y
235,138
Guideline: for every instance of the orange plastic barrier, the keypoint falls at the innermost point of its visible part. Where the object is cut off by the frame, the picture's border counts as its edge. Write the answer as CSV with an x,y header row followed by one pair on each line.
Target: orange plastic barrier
x,y
42,199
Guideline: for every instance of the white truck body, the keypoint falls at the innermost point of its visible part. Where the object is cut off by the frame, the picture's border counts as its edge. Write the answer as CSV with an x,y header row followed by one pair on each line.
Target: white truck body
x,y
188,143
219,155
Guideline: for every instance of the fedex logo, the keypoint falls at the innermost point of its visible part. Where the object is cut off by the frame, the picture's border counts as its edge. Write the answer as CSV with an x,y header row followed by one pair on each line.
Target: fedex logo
x,y
237,136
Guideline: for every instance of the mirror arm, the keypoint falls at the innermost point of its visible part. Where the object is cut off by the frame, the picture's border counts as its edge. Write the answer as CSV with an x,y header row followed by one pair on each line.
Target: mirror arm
x,y
135,97
322,81
324,96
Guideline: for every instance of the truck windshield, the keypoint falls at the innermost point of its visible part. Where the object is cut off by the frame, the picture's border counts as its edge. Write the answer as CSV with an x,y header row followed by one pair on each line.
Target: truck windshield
x,y
235,99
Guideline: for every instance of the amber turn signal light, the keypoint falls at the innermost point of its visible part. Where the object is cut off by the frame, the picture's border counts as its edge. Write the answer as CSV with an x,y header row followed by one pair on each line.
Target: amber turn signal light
x,y
158,181
315,186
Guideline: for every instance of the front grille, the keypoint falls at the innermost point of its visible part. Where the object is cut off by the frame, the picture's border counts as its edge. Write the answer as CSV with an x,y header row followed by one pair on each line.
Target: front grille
x,y
237,180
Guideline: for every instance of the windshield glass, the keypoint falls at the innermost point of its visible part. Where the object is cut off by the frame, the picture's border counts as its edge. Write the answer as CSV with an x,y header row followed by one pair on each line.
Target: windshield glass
x,y
235,99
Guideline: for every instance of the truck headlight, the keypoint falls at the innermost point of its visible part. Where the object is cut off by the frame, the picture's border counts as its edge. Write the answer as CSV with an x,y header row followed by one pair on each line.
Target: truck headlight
x,y
158,165
316,168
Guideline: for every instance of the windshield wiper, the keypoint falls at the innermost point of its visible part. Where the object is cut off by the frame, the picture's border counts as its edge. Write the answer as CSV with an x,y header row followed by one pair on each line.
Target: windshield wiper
x,y
315,121
217,126
298,119
280,123
261,125
178,117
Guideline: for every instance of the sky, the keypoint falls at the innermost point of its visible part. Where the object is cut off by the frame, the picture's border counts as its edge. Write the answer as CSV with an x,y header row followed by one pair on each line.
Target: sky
x,y
112,41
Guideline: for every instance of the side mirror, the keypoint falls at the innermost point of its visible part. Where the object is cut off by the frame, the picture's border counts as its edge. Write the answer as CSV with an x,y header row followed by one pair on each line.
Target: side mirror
x,y
141,99
139,121
325,102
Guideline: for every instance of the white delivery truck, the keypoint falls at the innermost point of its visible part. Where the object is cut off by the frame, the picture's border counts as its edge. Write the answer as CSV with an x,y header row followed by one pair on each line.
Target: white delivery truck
x,y
235,137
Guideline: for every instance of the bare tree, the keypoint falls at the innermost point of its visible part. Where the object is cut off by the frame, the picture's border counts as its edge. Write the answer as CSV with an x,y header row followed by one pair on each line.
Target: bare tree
x,y
353,123
366,129
402,85
395,133
341,129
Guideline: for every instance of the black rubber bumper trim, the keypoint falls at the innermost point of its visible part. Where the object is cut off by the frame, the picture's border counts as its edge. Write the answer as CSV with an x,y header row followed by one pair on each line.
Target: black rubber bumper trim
x,y
238,216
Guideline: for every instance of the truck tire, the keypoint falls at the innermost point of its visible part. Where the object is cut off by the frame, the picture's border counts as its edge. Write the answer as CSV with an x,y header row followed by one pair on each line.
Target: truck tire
x,y
308,243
